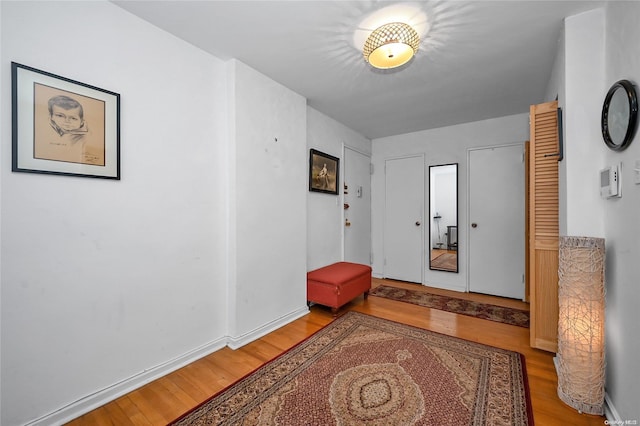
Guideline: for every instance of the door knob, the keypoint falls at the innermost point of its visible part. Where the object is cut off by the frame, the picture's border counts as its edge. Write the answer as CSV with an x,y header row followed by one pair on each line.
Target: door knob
x,y
418,223
474,225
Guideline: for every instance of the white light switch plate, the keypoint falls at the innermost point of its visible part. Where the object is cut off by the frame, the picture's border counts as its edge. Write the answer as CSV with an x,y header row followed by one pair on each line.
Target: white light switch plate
x,y
636,173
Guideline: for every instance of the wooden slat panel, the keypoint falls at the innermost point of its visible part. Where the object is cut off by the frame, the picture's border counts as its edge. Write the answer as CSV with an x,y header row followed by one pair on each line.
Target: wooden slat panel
x,y
546,296
543,226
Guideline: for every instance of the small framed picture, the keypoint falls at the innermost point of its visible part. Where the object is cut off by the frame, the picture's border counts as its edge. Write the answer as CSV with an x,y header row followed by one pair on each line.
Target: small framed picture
x,y
324,171
64,127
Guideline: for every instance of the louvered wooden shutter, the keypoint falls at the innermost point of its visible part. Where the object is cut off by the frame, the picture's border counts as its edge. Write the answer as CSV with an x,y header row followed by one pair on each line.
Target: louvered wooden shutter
x,y
543,226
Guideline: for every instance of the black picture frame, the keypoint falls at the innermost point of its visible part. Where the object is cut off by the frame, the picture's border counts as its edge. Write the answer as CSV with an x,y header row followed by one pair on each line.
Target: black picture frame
x,y
62,126
619,115
324,172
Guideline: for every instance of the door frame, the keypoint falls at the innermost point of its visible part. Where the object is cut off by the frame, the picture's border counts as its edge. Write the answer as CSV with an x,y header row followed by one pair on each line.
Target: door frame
x,y
424,207
468,207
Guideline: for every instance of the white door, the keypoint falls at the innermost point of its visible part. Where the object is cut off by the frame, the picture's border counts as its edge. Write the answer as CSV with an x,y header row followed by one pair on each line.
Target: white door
x,y
497,221
357,213
404,207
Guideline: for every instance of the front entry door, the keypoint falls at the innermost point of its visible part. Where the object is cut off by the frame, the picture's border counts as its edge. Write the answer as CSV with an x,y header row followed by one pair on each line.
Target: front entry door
x,y
357,213
404,210
497,221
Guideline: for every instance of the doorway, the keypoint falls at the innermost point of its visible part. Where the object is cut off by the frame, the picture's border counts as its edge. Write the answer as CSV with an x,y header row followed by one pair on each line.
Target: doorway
x,y
497,221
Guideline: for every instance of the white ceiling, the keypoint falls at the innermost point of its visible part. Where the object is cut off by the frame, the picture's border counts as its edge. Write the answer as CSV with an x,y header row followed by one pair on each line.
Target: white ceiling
x,y
477,59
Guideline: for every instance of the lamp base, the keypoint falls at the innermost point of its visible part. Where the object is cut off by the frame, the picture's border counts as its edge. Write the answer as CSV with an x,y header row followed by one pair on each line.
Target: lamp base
x,y
597,409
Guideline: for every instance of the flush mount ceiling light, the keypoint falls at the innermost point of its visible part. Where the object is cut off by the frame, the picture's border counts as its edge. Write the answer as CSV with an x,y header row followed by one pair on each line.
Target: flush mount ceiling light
x,y
391,45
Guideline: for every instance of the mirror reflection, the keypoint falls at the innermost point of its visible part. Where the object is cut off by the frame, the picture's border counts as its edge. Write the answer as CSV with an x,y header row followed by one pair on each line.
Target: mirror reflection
x,y
618,116
443,210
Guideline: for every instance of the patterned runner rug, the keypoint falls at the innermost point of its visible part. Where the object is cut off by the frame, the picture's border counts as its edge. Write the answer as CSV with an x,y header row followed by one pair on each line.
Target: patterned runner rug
x,y
451,304
365,370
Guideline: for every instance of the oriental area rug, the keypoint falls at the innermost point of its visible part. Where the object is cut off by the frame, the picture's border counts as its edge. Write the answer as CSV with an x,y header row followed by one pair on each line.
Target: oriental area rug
x,y
363,370
486,311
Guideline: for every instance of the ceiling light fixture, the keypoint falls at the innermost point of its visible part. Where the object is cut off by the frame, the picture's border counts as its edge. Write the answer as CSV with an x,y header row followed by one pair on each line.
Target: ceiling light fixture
x,y
391,45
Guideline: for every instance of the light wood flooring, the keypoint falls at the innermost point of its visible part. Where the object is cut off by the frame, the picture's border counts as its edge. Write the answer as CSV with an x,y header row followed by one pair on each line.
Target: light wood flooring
x,y
167,398
437,252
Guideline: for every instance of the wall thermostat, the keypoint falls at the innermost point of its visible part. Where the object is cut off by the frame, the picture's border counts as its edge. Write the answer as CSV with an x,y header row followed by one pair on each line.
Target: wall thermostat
x,y
610,182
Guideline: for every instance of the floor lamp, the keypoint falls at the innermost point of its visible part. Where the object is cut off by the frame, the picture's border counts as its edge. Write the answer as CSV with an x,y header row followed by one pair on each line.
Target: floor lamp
x,y
581,300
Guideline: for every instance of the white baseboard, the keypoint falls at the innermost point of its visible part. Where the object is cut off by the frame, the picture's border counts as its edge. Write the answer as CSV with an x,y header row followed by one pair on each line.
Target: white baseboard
x,y
239,341
459,289
610,411
108,394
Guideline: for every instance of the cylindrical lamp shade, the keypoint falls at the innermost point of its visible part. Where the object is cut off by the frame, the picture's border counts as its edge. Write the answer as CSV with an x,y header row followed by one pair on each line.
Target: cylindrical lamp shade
x,y
581,302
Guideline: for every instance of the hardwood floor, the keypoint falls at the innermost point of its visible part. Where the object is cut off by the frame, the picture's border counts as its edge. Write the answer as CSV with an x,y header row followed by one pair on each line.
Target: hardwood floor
x,y
167,398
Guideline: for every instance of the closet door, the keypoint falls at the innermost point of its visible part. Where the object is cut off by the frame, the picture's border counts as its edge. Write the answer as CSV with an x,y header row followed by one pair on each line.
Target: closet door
x,y
496,214
543,225
403,217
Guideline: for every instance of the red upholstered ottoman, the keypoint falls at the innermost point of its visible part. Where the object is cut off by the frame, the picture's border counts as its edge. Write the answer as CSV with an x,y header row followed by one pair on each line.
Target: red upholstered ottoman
x,y
338,284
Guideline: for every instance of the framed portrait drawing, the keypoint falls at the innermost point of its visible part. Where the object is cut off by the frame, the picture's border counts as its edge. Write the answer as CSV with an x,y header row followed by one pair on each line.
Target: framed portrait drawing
x,y
324,172
64,127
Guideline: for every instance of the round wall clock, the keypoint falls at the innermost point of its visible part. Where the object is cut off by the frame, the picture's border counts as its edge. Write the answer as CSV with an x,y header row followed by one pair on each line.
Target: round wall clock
x,y
619,115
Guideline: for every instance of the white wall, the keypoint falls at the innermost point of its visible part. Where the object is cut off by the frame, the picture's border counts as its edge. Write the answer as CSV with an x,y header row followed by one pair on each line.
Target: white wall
x,y
107,283
556,90
602,42
445,145
583,147
325,211
621,224
267,221
3,113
